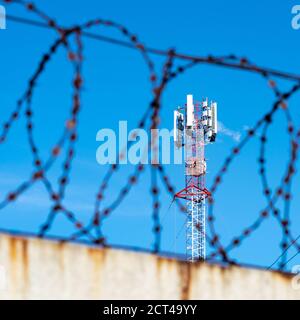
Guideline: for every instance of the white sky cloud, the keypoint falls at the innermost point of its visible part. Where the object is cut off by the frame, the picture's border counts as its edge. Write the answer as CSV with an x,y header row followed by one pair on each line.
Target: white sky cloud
x,y
234,135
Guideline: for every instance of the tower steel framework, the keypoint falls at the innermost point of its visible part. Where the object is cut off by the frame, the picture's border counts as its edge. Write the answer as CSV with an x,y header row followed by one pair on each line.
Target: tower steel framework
x,y
199,124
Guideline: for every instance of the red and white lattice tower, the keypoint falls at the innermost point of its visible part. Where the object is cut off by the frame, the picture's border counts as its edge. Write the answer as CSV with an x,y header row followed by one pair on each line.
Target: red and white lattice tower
x,y
195,125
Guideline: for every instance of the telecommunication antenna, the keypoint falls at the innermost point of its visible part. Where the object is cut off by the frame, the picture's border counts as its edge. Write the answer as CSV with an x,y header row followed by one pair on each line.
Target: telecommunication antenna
x,y
195,125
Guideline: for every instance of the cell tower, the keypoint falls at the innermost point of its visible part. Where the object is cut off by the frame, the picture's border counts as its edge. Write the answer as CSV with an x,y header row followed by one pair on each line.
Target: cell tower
x,y
195,125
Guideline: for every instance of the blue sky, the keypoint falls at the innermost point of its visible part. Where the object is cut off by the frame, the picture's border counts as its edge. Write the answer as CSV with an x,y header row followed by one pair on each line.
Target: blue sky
x,y
116,88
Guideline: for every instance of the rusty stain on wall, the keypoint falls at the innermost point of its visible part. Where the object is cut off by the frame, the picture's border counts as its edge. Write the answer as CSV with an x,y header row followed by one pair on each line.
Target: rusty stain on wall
x,y
185,277
25,262
12,245
43,269
98,261
61,246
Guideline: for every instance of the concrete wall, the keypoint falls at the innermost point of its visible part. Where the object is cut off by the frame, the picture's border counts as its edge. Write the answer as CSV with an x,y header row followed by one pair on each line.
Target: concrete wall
x,y
39,269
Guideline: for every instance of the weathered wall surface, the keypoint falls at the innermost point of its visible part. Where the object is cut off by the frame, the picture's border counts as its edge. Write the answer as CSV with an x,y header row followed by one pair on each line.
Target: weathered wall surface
x,y
39,269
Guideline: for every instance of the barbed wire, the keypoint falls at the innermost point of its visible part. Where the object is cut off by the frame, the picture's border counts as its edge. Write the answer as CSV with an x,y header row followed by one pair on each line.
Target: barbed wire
x,y
72,41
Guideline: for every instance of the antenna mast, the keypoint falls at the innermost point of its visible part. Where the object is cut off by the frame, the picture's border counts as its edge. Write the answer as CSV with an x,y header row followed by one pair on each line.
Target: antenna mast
x,y
195,125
